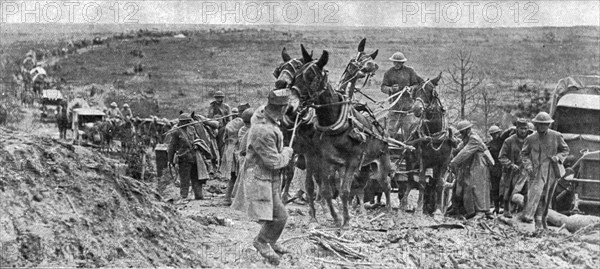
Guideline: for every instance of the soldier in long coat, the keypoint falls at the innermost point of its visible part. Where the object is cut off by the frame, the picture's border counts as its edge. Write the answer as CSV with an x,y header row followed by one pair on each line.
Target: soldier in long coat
x,y
230,137
543,154
514,177
494,147
265,157
218,109
473,187
231,151
187,149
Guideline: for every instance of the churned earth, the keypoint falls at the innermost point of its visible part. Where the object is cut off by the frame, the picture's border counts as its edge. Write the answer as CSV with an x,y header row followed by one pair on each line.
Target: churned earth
x,y
65,205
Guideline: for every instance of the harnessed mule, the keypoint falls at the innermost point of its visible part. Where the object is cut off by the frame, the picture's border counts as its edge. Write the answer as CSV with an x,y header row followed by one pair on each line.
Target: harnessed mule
x,y
361,66
339,148
424,127
284,74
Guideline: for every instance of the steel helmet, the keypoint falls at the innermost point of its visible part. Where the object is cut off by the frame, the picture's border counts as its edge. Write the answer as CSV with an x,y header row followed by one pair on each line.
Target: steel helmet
x,y
531,127
235,110
398,57
247,115
463,125
521,122
518,199
113,104
219,94
542,117
494,129
125,105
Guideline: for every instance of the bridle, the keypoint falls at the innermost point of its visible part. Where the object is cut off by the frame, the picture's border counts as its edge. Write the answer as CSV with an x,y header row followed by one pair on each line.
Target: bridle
x,y
286,67
316,86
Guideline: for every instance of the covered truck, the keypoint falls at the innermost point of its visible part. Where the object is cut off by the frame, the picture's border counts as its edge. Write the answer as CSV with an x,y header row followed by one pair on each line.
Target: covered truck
x,y
575,108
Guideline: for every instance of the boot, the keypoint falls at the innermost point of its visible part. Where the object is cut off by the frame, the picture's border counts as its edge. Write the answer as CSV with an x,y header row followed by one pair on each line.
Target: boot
x,y
266,251
230,186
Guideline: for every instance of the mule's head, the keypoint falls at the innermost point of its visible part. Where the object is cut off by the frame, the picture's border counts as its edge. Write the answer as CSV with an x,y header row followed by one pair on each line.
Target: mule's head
x,y
284,73
361,65
311,79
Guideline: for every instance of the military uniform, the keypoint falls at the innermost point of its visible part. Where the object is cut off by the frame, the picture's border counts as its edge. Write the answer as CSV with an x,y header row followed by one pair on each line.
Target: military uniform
x,y
228,165
494,147
514,178
537,153
192,167
259,193
473,187
114,112
405,76
216,110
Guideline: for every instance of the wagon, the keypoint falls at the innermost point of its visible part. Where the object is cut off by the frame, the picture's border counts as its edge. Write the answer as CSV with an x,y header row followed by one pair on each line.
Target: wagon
x,y
83,120
50,101
575,108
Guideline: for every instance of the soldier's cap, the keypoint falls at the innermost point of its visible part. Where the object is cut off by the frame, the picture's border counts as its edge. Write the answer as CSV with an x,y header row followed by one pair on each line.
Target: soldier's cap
x,y
279,97
521,122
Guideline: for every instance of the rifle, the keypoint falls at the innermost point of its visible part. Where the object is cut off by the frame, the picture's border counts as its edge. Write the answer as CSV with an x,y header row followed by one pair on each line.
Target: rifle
x,y
196,122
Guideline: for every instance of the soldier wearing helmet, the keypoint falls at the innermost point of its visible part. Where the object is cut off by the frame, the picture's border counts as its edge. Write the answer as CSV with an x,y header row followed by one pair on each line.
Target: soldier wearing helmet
x,y
543,154
186,149
471,165
228,167
127,112
494,147
114,112
238,156
514,180
394,80
218,108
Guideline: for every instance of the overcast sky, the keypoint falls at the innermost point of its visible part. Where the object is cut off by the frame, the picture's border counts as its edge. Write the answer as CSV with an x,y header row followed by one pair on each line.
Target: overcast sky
x,y
310,13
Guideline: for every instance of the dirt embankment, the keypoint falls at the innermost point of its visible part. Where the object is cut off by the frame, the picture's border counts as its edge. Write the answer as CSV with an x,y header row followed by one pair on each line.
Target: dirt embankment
x,y
63,205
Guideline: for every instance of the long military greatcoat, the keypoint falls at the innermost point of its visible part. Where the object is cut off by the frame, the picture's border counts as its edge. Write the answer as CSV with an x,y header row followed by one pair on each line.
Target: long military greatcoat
x,y
264,159
473,173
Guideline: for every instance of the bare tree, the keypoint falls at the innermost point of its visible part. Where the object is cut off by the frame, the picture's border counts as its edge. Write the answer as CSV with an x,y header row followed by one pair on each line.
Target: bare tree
x,y
465,80
489,99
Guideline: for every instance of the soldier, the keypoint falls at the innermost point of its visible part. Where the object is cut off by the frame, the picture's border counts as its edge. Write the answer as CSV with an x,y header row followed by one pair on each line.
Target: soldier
x,y
258,195
513,179
394,80
240,154
228,165
543,153
494,147
186,149
470,165
219,109
113,111
127,112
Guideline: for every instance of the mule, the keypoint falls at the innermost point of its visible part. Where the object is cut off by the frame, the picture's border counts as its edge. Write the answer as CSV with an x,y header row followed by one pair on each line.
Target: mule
x,y
340,150
422,124
359,67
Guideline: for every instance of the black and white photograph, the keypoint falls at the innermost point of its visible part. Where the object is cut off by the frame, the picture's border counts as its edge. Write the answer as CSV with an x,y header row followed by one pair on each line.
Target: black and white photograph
x,y
299,134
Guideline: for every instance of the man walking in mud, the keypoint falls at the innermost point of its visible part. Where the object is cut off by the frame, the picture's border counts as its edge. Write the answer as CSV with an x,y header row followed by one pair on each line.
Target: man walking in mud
x,y
265,157
494,147
513,177
470,165
543,154
183,149
394,80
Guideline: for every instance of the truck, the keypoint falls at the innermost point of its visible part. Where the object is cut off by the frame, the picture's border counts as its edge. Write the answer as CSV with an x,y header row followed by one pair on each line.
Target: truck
x,y
575,108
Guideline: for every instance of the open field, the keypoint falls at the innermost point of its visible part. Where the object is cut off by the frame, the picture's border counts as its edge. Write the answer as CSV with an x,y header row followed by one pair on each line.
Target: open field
x,y
184,72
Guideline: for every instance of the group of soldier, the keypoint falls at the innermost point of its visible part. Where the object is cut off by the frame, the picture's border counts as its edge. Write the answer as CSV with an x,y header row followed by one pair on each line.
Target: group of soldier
x,y
518,166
